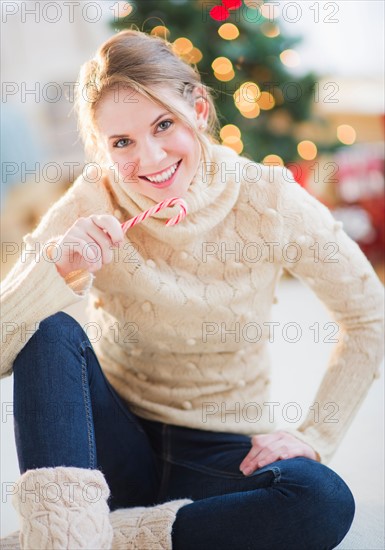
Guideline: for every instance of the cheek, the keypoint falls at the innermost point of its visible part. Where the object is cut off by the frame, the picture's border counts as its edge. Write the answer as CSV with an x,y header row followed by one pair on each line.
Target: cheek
x,y
185,143
127,170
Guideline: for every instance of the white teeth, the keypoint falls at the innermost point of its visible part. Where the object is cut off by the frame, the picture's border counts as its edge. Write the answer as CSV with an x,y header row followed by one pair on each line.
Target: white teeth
x,y
164,176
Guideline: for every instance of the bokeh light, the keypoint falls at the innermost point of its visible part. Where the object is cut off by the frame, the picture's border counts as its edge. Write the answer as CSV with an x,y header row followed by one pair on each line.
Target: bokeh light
x,y
182,46
225,77
270,30
270,11
235,144
273,160
228,31
194,56
122,9
290,58
161,31
307,150
252,113
222,65
266,101
248,92
230,130
346,134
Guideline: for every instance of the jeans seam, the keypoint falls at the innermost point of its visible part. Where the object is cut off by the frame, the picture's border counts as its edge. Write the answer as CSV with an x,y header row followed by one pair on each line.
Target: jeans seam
x,y
114,394
87,404
165,458
203,469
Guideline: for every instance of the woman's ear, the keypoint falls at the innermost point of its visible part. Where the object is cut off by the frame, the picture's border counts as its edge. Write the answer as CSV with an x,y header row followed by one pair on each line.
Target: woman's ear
x,y
201,106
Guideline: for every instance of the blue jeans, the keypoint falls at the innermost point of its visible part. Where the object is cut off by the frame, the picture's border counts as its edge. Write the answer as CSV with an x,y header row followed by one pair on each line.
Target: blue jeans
x,y
67,414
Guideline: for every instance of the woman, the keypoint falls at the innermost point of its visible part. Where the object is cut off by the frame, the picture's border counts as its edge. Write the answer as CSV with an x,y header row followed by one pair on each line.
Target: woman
x,y
161,408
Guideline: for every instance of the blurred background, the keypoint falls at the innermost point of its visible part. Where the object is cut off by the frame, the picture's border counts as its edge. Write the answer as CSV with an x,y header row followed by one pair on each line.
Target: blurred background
x,y
296,83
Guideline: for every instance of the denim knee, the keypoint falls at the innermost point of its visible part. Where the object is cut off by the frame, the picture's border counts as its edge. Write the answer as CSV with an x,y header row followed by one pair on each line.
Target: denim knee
x,y
54,331
59,326
330,498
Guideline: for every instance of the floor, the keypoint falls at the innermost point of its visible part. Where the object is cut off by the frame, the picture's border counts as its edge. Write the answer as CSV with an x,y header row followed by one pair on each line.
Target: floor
x,y
360,457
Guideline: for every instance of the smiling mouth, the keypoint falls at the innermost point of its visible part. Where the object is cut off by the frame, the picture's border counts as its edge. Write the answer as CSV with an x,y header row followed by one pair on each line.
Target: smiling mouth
x,y
168,175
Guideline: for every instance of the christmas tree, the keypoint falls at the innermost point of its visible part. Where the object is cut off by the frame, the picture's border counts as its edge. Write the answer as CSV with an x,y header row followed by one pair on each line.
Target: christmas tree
x,y
265,112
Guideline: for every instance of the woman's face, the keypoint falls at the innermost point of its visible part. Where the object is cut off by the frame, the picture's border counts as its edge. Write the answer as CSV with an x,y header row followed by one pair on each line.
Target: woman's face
x,y
146,142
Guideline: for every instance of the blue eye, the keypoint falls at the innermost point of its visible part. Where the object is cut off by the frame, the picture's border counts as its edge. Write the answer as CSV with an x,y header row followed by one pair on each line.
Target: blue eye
x,y
116,144
164,121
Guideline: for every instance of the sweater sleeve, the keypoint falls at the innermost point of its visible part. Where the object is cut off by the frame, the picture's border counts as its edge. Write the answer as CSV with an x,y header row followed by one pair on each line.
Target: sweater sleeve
x,y
34,289
327,260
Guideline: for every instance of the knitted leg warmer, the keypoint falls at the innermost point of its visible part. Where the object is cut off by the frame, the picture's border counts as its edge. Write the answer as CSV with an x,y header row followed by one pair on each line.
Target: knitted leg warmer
x,y
11,542
63,508
138,528
145,528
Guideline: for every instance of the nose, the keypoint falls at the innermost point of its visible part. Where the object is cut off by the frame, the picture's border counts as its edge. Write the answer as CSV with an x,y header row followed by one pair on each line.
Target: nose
x,y
150,154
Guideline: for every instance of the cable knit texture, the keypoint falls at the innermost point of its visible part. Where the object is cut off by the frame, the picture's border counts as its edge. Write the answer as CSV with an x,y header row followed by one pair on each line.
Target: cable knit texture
x,y
11,542
182,312
145,528
63,508
139,528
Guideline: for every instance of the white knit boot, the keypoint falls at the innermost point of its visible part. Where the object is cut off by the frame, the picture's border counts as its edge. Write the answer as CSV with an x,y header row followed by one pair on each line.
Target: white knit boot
x,y
63,508
11,542
145,528
138,528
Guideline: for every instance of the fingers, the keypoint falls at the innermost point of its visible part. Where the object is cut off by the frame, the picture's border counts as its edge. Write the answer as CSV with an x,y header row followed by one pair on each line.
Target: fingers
x,y
72,259
260,456
110,225
91,257
266,448
88,243
100,243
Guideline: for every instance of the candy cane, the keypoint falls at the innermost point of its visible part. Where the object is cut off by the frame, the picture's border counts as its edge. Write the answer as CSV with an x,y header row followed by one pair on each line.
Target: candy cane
x,y
154,209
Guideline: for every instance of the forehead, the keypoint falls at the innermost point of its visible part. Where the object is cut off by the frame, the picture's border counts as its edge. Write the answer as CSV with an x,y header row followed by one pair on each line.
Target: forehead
x,y
132,107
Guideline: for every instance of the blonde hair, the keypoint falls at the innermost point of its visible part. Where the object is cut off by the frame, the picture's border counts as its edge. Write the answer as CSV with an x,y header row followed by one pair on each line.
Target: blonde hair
x,y
146,64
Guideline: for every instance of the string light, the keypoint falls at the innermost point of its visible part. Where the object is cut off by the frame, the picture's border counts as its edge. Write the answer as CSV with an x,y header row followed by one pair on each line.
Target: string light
x,y
225,77
230,130
273,160
182,46
252,113
269,11
247,106
122,9
228,31
222,65
161,31
270,30
266,101
236,145
247,92
290,58
307,150
252,4
346,134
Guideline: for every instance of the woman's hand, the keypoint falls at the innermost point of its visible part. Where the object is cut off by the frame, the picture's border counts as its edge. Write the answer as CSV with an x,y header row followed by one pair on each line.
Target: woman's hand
x,y
88,244
268,448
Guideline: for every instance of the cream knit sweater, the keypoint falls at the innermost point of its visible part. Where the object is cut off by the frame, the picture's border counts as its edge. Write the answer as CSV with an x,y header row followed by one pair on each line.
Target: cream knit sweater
x,y
179,318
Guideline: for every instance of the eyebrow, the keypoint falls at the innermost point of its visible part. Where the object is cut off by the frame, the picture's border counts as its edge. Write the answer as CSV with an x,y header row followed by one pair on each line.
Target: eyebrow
x,y
152,124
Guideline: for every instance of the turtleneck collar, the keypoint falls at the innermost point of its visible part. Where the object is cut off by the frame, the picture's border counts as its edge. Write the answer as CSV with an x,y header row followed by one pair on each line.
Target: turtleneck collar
x,y
210,197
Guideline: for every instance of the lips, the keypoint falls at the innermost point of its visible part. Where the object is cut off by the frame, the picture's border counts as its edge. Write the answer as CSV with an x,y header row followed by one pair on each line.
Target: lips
x,y
164,183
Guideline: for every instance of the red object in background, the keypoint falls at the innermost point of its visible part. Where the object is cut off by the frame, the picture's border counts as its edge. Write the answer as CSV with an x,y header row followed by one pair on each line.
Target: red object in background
x,y
219,13
300,171
375,208
232,4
